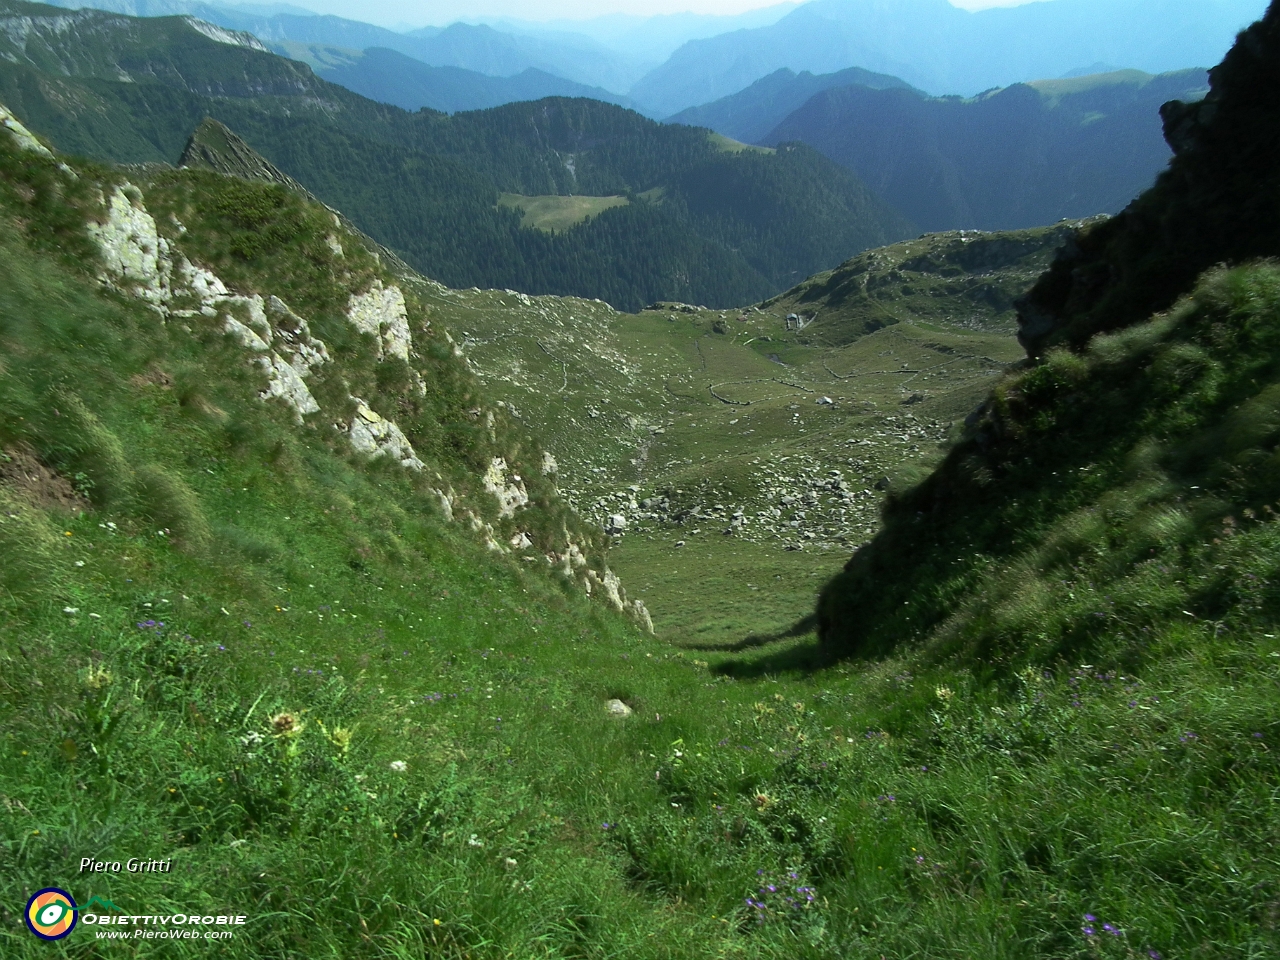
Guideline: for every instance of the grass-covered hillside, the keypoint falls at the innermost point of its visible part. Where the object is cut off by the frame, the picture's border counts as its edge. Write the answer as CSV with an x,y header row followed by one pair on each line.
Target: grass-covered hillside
x,y
967,279
734,456
704,225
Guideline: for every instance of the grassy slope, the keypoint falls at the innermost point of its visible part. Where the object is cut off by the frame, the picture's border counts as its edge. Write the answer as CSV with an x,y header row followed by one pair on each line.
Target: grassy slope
x,y
950,824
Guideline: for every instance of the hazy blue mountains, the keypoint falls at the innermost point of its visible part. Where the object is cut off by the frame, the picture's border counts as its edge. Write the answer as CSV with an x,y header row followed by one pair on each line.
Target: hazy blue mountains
x,y
1025,155
466,46
945,50
751,114
392,77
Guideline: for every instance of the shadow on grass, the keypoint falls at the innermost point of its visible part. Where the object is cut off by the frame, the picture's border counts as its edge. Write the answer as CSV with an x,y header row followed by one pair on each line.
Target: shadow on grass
x,y
798,629
801,657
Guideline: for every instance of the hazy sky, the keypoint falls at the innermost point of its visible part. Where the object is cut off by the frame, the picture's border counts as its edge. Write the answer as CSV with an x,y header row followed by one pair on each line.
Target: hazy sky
x,y
440,12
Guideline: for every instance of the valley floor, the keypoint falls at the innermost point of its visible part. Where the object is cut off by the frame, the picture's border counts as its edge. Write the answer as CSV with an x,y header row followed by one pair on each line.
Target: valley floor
x,y
738,469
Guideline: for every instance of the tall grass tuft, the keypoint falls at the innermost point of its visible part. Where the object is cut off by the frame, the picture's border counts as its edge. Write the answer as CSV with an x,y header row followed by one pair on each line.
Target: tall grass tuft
x,y
170,504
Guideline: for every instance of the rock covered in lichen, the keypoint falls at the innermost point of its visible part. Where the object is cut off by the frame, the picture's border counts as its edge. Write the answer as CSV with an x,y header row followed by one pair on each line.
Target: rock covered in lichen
x,y
380,311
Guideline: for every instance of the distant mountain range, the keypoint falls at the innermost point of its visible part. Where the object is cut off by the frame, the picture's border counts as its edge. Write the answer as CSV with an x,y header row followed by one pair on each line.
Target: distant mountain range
x,y
646,39
945,50
1026,155
665,65
693,217
392,77
751,114
473,47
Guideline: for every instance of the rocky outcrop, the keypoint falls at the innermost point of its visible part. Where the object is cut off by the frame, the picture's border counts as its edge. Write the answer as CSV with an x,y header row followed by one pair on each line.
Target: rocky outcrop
x,y
375,436
381,311
25,139
145,260
510,494
1218,201
138,261
609,587
135,257
233,38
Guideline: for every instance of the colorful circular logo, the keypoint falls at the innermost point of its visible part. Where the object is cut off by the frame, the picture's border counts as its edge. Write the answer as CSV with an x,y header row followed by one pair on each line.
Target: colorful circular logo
x,y
51,913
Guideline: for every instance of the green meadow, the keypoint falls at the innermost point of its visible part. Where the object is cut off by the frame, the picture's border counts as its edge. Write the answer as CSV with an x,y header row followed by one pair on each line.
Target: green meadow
x,y
553,212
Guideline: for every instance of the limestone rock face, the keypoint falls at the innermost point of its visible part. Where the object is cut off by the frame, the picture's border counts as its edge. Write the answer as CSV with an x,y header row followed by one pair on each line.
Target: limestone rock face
x,y
248,337
233,38
139,261
446,503
133,251
572,559
206,287
285,383
307,351
284,377
640,614
510,495
373,435
381,312
25,138
609,587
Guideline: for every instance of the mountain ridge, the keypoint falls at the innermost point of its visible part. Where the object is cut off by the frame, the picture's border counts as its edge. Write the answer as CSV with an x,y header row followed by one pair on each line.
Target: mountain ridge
x,y
1012,158
945,50
750,114
392,77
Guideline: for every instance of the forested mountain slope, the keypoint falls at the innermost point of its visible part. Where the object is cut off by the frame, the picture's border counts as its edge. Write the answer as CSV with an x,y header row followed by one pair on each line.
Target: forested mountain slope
x,y
702,223
1019,157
